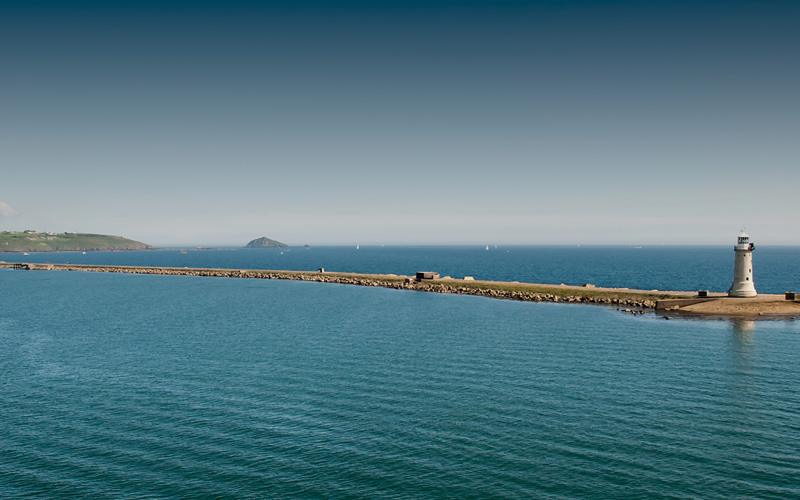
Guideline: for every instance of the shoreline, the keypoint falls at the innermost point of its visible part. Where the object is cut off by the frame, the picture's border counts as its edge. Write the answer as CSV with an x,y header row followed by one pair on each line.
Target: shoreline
x,y
23,252
677,303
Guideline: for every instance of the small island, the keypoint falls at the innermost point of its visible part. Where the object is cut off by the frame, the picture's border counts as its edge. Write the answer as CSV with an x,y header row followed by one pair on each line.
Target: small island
x,y
34,241
265,242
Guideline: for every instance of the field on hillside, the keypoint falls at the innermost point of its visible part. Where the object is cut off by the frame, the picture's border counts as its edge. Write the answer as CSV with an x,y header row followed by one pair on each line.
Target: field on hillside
x,y
65,242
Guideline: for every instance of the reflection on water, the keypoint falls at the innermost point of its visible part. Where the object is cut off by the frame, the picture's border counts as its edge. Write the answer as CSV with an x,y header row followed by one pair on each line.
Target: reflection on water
x,y
743,326
743,345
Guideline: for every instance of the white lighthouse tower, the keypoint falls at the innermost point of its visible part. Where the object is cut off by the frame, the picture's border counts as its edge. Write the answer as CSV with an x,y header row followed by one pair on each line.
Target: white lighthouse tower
x,y
743,269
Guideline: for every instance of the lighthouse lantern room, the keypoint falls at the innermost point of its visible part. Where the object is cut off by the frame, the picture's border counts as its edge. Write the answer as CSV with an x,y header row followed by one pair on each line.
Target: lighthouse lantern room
x,y
743,269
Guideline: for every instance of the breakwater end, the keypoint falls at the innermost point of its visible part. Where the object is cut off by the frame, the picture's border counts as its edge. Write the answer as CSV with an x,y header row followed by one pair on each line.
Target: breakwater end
x,y
533,292
766,305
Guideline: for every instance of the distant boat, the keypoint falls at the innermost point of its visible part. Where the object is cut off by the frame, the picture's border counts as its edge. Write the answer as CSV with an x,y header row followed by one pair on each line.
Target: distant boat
x,y
26,253
356,247
487,247
183,253
84,253
495,246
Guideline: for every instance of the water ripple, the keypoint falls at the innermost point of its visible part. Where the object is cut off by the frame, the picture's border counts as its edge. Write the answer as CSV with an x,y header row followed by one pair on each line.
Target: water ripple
x,y
312,391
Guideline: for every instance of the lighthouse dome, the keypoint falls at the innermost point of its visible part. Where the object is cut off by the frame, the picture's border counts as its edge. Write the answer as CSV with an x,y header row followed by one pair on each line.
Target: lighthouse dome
x,y
744,238
743,243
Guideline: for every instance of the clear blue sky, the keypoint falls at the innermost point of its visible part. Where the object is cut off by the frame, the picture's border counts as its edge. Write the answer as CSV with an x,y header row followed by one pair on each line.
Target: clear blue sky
x,y
402,122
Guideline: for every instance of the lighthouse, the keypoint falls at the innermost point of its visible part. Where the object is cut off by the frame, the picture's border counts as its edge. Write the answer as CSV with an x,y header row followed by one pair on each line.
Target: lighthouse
x,y
743,269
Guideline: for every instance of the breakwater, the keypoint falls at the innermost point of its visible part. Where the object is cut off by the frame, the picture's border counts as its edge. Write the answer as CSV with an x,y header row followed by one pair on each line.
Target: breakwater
x,y
493,289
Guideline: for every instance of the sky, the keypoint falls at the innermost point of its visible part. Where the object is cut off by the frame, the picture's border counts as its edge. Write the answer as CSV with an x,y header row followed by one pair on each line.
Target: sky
x,y
387,122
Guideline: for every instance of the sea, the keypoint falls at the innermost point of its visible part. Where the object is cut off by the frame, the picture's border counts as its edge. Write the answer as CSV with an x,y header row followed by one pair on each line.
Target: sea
x,y
122,386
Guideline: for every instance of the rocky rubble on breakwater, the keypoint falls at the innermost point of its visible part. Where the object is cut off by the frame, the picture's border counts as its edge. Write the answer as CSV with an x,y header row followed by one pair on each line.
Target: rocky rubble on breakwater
x,y
399,283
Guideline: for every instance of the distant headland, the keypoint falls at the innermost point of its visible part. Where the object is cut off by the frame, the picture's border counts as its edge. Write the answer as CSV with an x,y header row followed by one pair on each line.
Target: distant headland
x,y
34,241
265,242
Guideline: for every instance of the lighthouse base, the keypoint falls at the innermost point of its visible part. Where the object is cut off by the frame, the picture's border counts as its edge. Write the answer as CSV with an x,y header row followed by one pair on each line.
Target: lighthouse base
x,y
742,289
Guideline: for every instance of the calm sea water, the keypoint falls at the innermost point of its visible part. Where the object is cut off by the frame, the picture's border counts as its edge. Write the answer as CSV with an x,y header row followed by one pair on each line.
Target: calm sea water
x,y
128,386
776,269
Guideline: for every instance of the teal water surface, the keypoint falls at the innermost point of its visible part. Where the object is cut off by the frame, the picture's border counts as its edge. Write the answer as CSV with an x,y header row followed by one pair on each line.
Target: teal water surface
x,y
128,386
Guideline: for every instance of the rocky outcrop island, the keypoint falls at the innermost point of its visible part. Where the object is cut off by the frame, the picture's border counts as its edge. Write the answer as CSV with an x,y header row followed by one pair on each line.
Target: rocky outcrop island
x,y
34,241
265,242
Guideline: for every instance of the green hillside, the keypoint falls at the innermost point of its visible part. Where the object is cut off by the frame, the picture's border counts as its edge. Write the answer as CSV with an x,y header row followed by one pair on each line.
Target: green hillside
x,y
65,242
265,242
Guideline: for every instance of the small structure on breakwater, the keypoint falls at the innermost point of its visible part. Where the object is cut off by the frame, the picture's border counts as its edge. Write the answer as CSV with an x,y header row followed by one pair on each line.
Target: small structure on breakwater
x,y
32,267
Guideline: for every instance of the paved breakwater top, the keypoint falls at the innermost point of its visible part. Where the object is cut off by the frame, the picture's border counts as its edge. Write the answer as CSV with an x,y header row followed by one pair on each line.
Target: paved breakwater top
x,y
661,301
762,305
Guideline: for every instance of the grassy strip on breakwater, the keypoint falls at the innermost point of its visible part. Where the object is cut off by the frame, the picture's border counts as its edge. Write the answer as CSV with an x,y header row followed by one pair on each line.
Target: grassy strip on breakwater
x,y
493,289
551,293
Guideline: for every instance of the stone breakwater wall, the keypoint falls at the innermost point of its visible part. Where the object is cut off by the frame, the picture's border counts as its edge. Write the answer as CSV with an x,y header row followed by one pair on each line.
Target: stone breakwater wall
x,y
494,290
